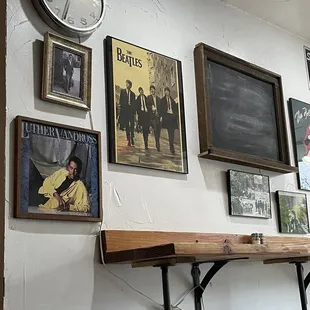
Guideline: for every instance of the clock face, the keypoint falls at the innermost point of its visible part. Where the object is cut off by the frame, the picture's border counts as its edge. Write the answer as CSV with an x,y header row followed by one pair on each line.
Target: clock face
x,y
78,15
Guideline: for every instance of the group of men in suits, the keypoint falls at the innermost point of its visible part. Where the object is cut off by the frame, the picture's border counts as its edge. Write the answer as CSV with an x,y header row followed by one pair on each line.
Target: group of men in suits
x,y
152,112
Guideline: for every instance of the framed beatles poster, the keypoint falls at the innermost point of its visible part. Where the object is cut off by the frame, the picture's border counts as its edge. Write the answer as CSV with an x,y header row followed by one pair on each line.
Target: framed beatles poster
x,y
145,108
58,172
300,119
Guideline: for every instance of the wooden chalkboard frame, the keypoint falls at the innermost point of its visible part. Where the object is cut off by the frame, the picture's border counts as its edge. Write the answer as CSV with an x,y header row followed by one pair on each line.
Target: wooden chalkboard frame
x,y
202,54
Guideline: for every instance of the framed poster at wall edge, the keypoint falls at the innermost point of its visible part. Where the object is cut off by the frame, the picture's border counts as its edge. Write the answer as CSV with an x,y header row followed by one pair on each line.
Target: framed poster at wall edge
x,y
58,171
146,119
248,194
300,121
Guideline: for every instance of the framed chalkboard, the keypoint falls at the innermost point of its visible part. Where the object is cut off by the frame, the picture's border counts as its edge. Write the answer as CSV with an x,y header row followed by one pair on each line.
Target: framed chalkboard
x,y
240,112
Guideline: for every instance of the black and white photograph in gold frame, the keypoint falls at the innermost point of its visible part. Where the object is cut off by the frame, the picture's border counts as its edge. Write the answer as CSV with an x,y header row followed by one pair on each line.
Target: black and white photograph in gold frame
x,y
146,118
67,68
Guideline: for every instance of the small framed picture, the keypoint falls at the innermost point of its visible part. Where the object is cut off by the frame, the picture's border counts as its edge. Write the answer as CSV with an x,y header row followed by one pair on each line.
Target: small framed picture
x,y
58,172
249,194
66,72
292,213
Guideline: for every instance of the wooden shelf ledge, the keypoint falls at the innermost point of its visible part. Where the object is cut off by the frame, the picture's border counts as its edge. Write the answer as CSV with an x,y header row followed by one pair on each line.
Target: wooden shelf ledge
x,y
147,248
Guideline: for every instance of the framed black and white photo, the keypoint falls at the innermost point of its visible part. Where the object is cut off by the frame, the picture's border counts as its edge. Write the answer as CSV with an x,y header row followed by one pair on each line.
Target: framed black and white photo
x,y
66,72
249,194
146,118
58,172
292,213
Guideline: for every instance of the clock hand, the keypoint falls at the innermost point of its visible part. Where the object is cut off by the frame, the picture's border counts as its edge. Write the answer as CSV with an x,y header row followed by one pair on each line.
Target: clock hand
x,y
66,9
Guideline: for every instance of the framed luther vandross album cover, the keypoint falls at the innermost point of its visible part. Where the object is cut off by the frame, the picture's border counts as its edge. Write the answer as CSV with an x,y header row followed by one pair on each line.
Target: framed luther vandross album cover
x,y
66,72
249,194
58,172
145,108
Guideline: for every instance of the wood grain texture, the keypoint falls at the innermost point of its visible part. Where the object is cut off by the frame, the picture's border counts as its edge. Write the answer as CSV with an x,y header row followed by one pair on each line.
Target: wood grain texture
x,y
147,248
119,240
204,55
287,260
248,160
164,262
202,96
2,140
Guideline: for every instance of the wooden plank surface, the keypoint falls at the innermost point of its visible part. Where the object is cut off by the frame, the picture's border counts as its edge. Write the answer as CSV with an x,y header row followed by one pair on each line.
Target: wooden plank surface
x,y
118,240
156,248
287,260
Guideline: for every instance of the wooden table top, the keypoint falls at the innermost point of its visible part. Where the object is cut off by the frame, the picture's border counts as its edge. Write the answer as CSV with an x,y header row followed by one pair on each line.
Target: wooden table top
x,y
149,248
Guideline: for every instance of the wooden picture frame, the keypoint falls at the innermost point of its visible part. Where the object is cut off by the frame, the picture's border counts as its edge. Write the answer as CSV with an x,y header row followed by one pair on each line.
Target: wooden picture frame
x,y
307,63
67,70
154,137
58,172
249,194
293,216
220,138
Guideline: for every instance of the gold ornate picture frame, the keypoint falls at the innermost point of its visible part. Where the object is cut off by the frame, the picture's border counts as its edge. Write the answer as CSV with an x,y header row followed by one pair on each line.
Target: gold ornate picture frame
x,y
67,68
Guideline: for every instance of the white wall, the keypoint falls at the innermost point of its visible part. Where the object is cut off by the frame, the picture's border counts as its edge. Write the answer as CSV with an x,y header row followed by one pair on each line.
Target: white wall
x,y
54,265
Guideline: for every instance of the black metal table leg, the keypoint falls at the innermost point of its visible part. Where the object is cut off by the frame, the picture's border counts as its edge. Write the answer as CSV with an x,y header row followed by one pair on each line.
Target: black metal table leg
x,y
166,292
301,284
307,280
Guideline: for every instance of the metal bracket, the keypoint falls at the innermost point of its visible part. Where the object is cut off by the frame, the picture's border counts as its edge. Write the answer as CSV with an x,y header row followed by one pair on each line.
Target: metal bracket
x,y
201,286
307,280
303,284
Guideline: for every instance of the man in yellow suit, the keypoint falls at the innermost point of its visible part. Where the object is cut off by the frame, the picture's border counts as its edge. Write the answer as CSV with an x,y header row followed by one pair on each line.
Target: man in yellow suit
x,y
64,189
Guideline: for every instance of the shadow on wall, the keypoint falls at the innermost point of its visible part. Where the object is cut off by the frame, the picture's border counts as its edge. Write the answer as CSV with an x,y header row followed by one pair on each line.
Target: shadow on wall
x,y
146,172
238,282
112,293
215,176
73,278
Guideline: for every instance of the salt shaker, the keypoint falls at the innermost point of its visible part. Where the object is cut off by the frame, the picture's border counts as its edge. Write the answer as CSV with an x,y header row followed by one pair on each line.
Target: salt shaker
x,y
262,238
255,238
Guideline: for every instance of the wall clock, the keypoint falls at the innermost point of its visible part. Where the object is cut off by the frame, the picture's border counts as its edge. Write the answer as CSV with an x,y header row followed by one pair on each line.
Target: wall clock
x,y
72,17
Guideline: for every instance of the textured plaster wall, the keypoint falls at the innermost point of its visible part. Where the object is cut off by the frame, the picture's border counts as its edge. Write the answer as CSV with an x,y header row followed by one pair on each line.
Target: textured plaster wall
x,y
54,265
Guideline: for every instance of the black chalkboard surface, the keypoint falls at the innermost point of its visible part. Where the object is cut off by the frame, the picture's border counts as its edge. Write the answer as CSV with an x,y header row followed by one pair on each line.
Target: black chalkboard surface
x,y
242,112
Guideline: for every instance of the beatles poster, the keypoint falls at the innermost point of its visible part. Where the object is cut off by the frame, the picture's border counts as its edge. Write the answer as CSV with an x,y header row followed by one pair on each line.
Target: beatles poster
x,y
58,171
146,108
300,115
